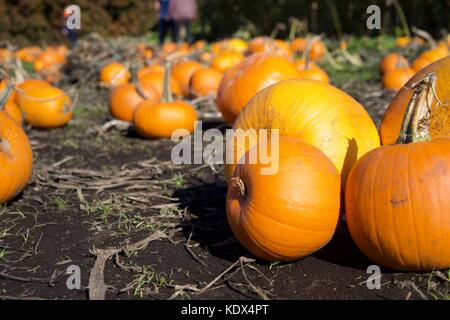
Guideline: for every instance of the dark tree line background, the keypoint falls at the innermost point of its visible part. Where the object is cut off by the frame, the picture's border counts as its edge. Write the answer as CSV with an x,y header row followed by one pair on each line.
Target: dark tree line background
x,y
35,20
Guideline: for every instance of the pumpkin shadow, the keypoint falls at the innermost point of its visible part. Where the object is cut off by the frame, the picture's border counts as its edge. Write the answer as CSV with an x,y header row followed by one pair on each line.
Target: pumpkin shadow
x,y
342,251
209,226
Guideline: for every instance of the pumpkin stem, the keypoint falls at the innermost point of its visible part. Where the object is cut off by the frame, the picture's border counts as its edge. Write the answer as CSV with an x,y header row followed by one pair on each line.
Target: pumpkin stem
x,y
140,91
425,35
416,123
5,96
306,54
240,184
167,94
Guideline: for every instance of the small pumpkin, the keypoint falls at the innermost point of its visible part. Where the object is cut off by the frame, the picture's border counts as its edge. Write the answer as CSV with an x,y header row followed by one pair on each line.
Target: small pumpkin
x,y
182,73
205,81
440,121
428,57
225,60
46,107
298,45
160,120
156,79
125,97
114,74
154,67
397,78
28,54
315,112
244,80
281,217
392,61
310,70
16,157
403,42
397,200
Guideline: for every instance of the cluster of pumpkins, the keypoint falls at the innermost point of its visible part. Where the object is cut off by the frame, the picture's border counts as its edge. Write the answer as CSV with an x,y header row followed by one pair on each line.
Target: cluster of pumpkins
x,y
331,159
47,62
203,70
396,70
37,103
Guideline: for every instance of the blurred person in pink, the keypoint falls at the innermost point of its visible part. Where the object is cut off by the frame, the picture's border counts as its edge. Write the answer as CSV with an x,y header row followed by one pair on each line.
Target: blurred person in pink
x,y
183,13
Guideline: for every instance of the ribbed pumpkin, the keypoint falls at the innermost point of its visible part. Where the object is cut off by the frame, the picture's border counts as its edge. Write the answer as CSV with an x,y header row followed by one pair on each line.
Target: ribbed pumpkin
x,y
440,122
114,74
392,61
161,119
156,79
249,77
397,203
16,157
225,60
46,107
205,81
397,78
315,112
125,97
182,73
28,84
286,215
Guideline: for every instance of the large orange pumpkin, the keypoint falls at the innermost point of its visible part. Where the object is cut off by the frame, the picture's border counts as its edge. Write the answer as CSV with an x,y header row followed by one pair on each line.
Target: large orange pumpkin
x,y
46,107
285,215
182,73
205,81
440,122
225,60
249,77
114,74
315,112
16,158
161,119
397,203
125,97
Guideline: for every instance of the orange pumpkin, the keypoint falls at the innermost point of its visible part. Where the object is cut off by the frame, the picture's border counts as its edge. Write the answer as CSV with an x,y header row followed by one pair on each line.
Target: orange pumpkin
x,y
258,44
156,79
154,67
440,121
169,48
298,45
160,120
125,97
397,200
9,106
206,57
308,69
182,73
269,45
46,107
403,42
28,54
28,84
225,60
205,81
315,112
6,55
397,78
16,158
249,77
285,216
392,61
428,57
114,74
199,45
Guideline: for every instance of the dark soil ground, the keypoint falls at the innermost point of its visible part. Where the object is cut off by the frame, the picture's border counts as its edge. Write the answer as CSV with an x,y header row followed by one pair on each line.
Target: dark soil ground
x,y
94,189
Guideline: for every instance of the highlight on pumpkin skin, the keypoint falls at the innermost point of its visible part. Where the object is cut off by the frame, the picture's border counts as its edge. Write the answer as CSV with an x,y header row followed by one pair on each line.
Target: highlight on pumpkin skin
x,y
400,193
317,113
281,217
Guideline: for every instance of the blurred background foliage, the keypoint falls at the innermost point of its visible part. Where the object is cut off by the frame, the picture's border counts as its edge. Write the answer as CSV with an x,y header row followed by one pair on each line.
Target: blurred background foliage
x,y
25,21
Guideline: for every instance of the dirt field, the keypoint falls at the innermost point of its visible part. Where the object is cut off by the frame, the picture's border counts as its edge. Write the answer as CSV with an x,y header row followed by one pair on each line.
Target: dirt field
x,y
104,198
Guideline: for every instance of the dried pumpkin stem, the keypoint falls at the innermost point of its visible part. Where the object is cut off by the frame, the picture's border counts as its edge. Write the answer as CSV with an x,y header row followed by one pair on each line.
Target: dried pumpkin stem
x,y
425,35
167,94
416,123
240,184
140,91
307,53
